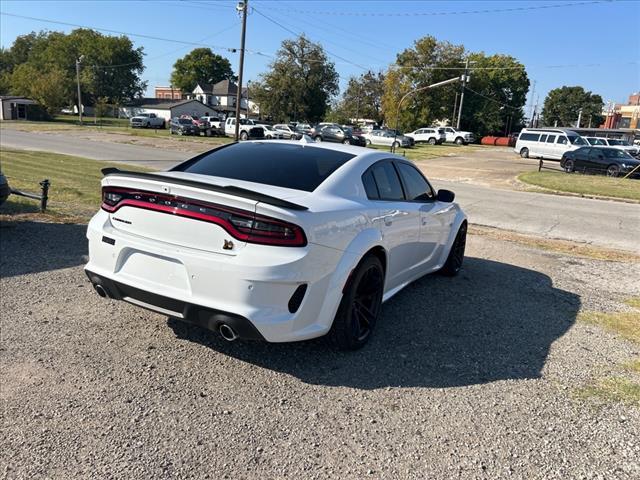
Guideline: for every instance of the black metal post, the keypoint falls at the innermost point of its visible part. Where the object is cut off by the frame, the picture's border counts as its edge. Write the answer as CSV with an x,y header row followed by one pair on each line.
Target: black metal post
x,y
45,184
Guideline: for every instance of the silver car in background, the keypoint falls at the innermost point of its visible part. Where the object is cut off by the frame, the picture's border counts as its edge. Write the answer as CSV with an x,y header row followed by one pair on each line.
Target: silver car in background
x,y
388,138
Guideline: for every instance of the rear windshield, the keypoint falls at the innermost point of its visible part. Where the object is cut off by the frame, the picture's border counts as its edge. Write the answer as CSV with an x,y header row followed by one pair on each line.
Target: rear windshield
x,y
282,165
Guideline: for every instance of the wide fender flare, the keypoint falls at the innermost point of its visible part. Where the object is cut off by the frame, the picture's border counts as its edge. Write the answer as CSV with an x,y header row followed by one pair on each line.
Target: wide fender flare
x,y
359,246
455,226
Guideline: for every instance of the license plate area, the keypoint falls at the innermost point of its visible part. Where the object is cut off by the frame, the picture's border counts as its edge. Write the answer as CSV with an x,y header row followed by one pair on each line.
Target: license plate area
x,y
152,269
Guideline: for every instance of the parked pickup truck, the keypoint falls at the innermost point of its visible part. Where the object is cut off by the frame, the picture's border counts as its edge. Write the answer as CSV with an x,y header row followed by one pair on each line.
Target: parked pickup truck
x,y
217,125
249,130
147,120
458,136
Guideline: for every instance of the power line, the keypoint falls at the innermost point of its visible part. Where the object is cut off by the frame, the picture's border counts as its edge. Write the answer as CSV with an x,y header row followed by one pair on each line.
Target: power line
x,y
435,14
149,37
298,34
492,99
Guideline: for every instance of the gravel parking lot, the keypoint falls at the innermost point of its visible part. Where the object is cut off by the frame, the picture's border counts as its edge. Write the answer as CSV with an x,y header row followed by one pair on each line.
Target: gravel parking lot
x,y
471,377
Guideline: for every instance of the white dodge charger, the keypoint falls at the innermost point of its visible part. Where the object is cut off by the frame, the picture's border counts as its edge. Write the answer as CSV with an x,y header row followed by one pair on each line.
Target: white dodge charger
x,y
275,240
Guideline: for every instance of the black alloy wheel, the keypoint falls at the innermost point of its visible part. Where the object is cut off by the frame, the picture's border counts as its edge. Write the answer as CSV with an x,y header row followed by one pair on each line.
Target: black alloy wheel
x,y
456,256
569,166
346,141
613,170
360,306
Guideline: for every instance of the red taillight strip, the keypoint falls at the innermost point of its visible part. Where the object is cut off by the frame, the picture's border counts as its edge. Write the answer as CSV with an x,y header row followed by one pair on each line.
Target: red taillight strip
x,y
248,235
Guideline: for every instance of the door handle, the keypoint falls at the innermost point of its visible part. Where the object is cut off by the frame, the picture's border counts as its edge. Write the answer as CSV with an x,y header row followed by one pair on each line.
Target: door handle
x,y
424,221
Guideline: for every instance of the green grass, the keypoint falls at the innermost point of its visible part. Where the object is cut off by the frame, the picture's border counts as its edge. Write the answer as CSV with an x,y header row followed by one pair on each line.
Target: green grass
x,y
616,389
626,388
74,195
424,151
584,184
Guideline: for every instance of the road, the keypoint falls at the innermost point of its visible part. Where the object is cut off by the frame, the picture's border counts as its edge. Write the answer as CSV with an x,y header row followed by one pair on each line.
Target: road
x,y
70,145
598,222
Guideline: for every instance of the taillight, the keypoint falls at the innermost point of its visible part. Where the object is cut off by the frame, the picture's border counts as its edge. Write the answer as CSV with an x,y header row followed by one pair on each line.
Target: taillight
x,y
241,224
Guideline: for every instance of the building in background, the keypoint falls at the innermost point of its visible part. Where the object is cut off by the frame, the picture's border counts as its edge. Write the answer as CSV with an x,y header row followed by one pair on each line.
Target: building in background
x,y
166,109
625,116
15,107
222,97
169,93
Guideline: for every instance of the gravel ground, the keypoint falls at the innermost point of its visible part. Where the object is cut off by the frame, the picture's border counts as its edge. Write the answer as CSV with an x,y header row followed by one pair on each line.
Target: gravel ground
x,y
469,377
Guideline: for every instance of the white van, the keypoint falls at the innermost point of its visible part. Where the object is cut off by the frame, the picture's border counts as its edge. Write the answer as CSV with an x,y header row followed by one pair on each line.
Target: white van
x,y
549,143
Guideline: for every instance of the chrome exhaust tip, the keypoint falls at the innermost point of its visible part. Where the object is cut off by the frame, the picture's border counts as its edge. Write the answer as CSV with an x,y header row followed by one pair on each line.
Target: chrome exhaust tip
x,y
228,333
100,289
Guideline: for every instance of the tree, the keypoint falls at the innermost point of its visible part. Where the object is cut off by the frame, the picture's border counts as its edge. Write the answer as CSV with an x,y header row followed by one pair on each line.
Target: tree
x,y
111,66
51,89
299,84
200,65
562,107
363,96
494,98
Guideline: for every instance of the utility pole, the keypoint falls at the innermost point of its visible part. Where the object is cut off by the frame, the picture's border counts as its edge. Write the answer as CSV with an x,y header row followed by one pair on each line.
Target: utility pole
x,y
455,106
78,62
242,7
532,110
464,84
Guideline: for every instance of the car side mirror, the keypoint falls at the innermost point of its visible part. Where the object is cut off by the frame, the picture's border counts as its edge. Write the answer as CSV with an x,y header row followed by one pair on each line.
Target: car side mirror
x,y
446,196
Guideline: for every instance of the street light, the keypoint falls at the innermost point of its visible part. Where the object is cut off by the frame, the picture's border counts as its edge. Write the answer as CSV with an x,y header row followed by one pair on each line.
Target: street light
x,y
78,62
439,84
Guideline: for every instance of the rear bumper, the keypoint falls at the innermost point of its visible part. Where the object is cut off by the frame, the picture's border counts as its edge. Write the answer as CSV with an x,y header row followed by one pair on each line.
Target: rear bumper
x,y
208,318
257,286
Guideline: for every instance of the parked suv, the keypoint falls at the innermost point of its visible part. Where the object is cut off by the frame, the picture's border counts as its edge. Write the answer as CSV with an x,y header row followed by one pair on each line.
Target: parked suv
x,y
183,126
147,120
433,136
334,133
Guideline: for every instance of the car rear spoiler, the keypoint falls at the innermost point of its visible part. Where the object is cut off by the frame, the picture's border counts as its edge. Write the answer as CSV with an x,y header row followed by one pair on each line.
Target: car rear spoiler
x,y
228,189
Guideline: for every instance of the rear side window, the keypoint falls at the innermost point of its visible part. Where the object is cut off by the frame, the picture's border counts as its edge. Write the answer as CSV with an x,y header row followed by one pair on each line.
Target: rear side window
x,y
562,140
543,138
551,139
370,186
290,166
416,185
531,137
387,180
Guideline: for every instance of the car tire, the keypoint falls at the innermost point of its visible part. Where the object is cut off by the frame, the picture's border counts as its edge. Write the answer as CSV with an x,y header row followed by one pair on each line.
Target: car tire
x,y
524,153
163,125
456,255
395,145
172,132
432,141
459,141
346,142
318,139
367,142
360,306
244,136
147,125
569,166
613,170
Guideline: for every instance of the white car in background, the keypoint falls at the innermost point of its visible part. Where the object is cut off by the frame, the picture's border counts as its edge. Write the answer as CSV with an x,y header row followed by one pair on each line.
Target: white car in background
x,y
632,150
433,136
286,131
278,241
271,133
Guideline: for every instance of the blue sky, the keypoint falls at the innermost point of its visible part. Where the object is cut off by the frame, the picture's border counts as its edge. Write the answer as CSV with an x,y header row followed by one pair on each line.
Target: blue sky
x,y
593,44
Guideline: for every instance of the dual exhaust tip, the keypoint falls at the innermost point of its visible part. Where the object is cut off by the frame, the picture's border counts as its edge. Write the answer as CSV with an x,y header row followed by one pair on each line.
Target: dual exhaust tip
x,y
226,332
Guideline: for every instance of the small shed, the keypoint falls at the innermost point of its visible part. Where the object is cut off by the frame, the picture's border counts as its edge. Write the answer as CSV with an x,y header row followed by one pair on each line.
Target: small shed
x,y
167,109
14,107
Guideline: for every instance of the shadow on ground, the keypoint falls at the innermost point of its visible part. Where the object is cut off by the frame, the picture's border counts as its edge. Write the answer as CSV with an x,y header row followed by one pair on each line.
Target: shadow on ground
x,y
32,247
494,321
